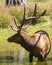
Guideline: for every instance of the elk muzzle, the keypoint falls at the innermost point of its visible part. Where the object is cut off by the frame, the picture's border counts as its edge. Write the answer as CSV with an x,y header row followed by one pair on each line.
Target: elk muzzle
x,y
9,39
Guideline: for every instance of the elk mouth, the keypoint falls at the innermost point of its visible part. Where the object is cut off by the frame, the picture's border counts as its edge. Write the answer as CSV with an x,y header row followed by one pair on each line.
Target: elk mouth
x,y
9,39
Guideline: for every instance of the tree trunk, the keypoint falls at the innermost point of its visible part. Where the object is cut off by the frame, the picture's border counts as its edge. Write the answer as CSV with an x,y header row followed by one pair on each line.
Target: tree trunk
x,y
10,2
14,2
7,2
21,2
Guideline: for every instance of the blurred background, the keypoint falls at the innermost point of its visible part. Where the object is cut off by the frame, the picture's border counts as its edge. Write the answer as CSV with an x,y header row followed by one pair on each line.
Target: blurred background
x,y
11,52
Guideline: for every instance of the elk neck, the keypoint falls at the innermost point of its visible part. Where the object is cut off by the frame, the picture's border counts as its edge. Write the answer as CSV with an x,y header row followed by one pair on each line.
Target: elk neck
x,y
25,40
28,42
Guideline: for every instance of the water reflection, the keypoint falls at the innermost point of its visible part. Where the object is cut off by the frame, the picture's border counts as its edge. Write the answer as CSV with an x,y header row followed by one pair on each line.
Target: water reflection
x,y
20,57
38,63
41,63
49,59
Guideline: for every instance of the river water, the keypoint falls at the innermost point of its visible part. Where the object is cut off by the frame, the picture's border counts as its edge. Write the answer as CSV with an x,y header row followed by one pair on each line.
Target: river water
x,y
20,57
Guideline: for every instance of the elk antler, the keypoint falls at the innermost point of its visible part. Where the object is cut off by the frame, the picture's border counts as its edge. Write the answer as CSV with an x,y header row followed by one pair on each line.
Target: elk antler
x,y
19,27
26,19
34,14
35,17
14,29
23,16
35,10
16,23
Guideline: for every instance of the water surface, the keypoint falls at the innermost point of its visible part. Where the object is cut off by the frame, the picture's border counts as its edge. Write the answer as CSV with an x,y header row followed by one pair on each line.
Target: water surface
x,y
20,57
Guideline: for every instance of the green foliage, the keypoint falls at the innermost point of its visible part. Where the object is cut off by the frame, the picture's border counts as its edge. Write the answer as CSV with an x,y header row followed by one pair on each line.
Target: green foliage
x,y
43,18
4,22
31,0
42,0
39,0
17,13
38,20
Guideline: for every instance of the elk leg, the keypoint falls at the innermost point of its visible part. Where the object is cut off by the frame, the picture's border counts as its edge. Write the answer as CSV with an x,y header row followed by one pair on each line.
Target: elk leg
x,y
30,57
41,58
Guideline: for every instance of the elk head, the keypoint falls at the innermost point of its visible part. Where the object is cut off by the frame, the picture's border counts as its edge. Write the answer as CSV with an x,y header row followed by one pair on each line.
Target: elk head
x,y
18,36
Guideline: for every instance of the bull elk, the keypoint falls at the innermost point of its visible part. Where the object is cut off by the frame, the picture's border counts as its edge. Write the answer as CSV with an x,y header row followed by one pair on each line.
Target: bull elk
x,y
38,44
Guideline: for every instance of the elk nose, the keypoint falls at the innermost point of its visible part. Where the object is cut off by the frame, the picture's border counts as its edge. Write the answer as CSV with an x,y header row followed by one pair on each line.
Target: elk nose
x,y
9,39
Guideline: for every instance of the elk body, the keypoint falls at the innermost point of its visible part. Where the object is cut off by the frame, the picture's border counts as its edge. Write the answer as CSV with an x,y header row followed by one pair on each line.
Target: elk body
x,y
38,44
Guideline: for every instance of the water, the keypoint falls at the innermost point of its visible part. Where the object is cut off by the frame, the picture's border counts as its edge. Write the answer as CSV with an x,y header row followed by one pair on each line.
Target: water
x,y
20,57
27,63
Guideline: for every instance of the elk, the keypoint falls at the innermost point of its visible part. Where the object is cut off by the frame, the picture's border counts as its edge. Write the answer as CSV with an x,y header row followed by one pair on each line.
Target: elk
x,y
38,44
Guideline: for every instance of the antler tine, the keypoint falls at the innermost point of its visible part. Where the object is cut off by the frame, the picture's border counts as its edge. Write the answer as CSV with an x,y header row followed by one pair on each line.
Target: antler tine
x,y
35,17
24,12
43,13
17,27
23,16
35,10
14,29
16,23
